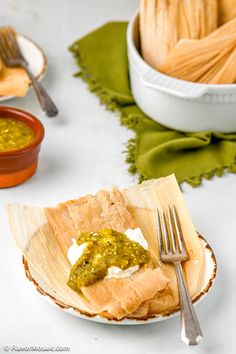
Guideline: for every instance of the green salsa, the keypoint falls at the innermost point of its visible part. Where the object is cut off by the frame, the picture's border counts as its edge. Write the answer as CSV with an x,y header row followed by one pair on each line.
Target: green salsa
x,y
105,248
14,134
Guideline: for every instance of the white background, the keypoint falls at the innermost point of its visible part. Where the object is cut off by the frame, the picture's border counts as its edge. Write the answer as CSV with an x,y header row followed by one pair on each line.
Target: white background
x,y
81,153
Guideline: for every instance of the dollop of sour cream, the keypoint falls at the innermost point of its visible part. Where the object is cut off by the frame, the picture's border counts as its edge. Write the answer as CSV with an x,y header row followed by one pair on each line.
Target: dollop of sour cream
x,y
75,252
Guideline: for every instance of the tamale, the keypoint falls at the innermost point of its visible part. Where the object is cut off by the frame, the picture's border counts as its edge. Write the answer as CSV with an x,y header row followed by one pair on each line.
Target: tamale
x,y
190,60
163,23
207,60
207,77
227,10
13,81
224,30
150,291
227,73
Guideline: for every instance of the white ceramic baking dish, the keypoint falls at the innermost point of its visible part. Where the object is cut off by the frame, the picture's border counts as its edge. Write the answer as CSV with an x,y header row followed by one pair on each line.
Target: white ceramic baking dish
x,y
175,103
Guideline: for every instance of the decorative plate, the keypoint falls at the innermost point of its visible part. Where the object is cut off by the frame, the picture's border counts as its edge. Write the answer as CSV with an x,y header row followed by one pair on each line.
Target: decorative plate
x,y
208,279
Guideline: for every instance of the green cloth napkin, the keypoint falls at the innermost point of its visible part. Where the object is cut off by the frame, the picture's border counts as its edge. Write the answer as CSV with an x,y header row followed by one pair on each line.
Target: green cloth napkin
x,y
155,150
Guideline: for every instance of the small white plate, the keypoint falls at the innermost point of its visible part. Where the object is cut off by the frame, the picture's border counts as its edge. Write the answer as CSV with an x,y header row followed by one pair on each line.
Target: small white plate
x,y
208,278
34,56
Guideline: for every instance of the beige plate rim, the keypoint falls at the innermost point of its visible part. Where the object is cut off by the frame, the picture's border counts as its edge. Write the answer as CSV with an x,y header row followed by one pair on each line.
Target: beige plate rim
x,y
45,62
126,321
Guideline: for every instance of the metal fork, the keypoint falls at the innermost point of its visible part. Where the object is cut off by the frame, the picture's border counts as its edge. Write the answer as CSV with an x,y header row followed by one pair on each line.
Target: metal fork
x,y
13,57
173,250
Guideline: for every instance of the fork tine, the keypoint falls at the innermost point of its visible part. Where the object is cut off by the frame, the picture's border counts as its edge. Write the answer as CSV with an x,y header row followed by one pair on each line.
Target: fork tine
x,y
165,234
159,232
179,233
3,52
9,43
13,41
5,44
172,230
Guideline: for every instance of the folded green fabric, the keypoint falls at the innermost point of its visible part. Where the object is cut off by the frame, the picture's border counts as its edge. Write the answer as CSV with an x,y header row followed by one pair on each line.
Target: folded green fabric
x,y
155,150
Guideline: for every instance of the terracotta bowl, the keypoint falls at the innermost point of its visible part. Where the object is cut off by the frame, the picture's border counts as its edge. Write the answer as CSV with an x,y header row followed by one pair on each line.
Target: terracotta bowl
x,y
19,165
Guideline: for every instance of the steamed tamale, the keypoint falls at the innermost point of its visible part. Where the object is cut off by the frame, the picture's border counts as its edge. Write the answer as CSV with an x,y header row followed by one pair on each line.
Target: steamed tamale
x,y
13,81
226,74
225,30
227,10
208,60
44,236
163,23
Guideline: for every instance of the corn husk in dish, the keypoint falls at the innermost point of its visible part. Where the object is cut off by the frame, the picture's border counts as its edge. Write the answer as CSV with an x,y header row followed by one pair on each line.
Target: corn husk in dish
x,y
44,236
208,60
227,29
163,23
13,81
227,10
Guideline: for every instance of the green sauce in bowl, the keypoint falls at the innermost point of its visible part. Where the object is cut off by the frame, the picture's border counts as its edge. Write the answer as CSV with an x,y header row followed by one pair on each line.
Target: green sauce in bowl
x,y
14,134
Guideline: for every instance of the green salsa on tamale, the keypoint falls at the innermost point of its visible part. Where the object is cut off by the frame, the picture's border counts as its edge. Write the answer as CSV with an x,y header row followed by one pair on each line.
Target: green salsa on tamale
x,y
105,248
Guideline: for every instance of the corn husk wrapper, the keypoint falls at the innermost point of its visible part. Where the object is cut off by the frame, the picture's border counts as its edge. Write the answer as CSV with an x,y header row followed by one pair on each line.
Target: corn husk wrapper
x,y
44,237
13,81
225,30
163,23
208,60
226,73
227,10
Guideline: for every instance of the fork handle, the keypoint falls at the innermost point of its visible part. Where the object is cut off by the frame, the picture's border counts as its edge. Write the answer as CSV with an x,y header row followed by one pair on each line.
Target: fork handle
x,y
191,333
45,101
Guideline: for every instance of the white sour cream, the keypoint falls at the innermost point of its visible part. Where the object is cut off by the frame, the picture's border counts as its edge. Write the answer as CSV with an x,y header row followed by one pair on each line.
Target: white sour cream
x,y
116,272
75,252
137,236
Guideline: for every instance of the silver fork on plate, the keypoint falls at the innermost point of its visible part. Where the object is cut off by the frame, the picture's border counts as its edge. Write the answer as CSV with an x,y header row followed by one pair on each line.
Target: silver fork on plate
x,y
12,57
173,250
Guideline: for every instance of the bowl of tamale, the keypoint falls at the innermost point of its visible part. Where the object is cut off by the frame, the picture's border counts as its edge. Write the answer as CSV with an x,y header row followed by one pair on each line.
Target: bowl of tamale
x,y
46,236
182,63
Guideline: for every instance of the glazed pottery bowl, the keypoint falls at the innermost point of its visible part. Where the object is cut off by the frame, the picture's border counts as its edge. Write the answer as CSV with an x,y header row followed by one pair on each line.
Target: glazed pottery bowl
x,y
19,165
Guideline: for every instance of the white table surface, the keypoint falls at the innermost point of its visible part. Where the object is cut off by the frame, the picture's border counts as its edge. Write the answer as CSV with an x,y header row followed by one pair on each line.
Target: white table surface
x,y
81,153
